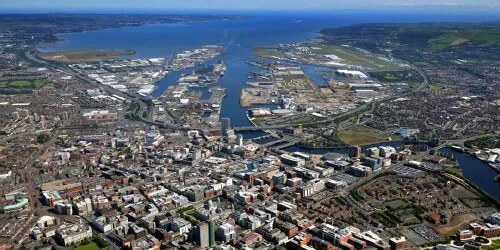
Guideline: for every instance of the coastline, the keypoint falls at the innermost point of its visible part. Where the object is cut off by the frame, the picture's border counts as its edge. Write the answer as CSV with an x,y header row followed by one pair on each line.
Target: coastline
x,y
42,45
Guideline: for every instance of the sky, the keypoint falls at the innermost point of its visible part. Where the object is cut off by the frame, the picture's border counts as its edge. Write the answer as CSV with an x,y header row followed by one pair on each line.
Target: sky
x,y
46,5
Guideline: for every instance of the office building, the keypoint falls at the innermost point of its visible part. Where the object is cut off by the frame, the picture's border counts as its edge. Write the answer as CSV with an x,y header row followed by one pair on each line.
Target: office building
x,y
354,151
374,151
239,140
202,235
225,125
226,233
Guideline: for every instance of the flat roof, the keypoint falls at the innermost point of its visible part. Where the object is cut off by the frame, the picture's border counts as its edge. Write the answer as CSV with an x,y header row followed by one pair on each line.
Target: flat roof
x,y
21,203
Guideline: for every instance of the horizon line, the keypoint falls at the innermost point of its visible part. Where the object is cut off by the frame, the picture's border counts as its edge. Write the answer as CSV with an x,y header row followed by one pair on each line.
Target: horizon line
x,y
415,9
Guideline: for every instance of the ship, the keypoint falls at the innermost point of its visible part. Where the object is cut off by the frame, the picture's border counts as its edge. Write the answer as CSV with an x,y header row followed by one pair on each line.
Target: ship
x,y
220,68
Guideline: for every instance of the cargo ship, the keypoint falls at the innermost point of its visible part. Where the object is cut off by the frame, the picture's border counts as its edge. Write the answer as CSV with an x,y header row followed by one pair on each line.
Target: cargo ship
x,y
220,68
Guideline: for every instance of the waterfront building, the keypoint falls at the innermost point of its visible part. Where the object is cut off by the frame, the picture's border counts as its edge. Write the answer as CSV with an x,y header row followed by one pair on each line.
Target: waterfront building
x,y
225,125
373,151
354,151
292,161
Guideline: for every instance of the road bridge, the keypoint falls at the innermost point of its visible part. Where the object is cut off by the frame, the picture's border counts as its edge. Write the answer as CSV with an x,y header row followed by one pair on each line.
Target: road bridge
x,y
272,143
289,144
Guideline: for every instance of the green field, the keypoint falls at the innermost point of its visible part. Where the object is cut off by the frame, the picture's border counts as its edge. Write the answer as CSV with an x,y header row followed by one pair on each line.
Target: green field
x,y
397,76
452,170
494,245
90,246
396,204
347,55
353,57
84,55
268,52
23,83
259,119
481,37
359,135
484,142
443,86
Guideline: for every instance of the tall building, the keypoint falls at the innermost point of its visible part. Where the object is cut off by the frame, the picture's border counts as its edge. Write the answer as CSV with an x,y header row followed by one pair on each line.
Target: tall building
x,y
354,151
211,233
202,235
225,125
44,123
239,140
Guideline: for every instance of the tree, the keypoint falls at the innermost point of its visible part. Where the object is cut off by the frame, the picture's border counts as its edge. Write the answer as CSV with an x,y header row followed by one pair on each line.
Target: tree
x,y
42,138
432,152
100,242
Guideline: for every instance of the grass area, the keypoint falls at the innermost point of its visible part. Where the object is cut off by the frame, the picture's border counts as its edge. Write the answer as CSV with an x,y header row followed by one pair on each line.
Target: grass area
x,y
484,142
84,55
411,221
268,52
384,220
359,135
24,83
259,119
189,212
494,245
452,170
396,204
346,55
476,202
443,86
353,57
397,76
90,246
481,37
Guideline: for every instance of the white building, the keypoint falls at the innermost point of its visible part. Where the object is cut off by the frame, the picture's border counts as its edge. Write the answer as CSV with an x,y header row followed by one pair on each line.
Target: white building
x,y
69,234
102,224
180,225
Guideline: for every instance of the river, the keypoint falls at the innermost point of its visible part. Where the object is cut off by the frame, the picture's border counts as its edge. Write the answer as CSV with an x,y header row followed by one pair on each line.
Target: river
x,y
477,172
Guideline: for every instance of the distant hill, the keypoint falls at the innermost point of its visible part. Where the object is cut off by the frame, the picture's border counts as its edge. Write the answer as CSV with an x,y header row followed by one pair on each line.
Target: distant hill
x,y
414,41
